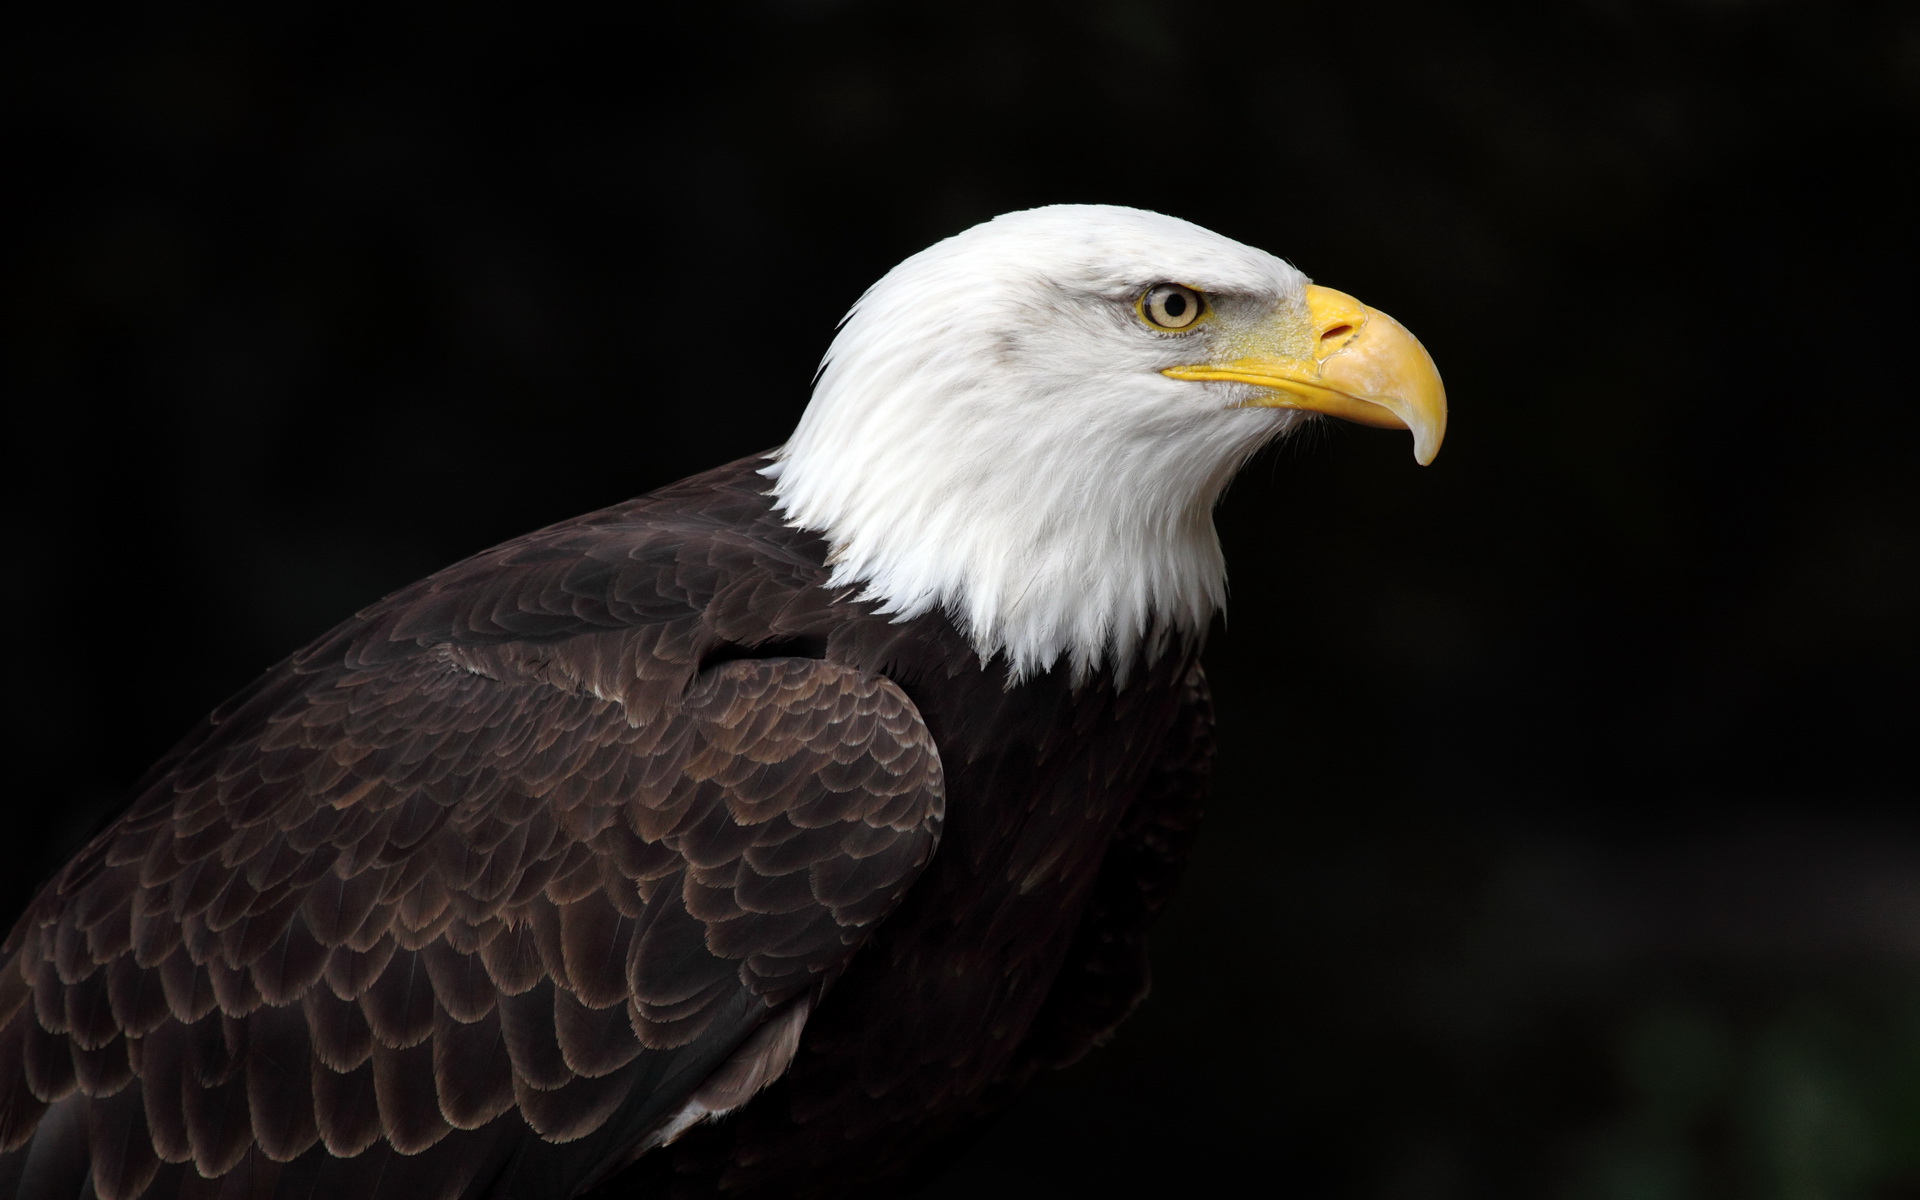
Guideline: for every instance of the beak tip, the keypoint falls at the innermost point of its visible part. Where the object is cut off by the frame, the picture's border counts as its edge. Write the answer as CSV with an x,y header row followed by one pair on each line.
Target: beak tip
x,y
1426,448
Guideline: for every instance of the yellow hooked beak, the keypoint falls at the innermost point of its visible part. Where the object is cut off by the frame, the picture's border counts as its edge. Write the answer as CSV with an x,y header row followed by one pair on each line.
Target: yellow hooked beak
x,y
1359,365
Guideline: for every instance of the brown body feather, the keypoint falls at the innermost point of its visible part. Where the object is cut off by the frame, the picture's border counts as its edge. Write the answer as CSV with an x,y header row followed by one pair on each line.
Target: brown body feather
x,y
476,894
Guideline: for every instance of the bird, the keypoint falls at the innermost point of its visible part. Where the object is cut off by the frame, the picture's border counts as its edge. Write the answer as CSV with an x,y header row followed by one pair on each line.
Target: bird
x,y
756,837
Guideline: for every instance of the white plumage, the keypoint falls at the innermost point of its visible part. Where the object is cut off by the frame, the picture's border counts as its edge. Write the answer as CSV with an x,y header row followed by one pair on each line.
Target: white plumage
x,y
991,432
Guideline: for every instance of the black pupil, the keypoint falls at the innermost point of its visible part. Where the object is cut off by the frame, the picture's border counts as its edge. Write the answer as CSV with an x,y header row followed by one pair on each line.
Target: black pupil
x,y
1174,304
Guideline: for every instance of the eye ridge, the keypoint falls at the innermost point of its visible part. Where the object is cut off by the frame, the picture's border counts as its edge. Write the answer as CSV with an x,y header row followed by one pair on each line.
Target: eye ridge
x,y
1172,307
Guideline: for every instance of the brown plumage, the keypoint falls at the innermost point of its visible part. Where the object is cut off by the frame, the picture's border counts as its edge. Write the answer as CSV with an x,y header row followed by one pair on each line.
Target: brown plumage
x,y
478,892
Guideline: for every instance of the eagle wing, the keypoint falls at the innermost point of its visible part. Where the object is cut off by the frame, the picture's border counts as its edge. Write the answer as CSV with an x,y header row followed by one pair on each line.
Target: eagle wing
x,y
452,924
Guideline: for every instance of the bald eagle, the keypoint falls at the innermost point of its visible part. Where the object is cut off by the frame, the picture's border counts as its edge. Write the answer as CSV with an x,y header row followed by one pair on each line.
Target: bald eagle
x,y
750,838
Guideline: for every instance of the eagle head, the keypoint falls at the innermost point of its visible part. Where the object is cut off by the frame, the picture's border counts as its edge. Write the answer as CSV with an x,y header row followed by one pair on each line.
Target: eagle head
x,y
1027,425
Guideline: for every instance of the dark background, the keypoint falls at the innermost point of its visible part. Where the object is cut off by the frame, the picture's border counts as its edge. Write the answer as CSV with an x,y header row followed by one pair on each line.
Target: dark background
x,y
1564,842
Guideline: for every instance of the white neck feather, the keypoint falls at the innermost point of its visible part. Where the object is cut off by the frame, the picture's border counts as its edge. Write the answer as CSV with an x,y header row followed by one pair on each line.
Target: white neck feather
x,y
984,438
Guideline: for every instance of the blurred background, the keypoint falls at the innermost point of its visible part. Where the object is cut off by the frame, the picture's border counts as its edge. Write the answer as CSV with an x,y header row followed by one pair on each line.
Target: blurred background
x,y
1564,843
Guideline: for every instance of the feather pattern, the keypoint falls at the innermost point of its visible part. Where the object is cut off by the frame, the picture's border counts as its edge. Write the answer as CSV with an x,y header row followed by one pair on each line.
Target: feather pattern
x,y
472,869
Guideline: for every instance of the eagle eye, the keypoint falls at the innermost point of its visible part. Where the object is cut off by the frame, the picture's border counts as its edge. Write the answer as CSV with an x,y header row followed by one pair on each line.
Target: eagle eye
x,y
1171,306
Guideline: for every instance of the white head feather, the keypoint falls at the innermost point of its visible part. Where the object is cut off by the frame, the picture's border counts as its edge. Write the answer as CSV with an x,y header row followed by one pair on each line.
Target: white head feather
x,y
990,434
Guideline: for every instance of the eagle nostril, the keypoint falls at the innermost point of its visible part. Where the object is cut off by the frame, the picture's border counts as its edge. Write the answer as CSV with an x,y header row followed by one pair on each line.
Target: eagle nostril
x,y
1333,339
